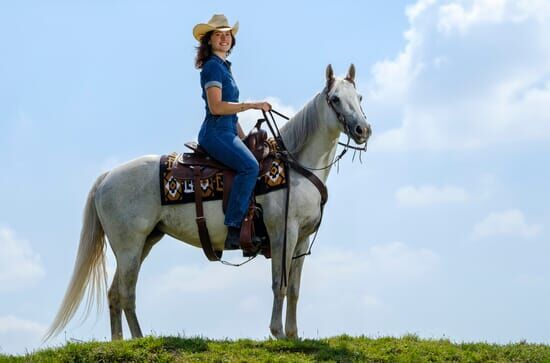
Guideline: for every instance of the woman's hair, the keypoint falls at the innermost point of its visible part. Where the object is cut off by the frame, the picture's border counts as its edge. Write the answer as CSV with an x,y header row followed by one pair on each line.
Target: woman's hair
x,y
204,50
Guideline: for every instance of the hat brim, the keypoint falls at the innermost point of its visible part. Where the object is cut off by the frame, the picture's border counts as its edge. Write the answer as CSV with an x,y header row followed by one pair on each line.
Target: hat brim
x,y
200,29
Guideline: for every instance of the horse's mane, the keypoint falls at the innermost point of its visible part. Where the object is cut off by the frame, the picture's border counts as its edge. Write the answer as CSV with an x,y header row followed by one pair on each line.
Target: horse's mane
x,y
297,131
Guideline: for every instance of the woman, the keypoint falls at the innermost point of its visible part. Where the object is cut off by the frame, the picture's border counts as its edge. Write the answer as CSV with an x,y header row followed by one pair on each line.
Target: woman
x,y
220,134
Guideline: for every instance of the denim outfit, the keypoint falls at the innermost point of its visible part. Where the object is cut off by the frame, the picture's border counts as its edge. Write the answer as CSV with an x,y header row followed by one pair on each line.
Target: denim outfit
x,y
218,136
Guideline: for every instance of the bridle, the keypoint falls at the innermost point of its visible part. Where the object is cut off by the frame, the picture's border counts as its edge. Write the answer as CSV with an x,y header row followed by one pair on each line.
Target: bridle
x,y
340,117
291,161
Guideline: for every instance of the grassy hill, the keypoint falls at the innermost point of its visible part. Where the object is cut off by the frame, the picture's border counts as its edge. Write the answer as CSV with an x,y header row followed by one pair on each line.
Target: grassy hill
x,y
338,349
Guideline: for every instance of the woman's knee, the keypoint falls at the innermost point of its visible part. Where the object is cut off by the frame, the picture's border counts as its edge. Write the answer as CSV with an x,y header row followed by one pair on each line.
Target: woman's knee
x,y
252,167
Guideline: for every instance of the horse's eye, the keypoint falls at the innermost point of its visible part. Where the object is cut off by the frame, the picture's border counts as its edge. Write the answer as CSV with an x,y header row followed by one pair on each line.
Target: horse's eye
x,y
335,99
360,98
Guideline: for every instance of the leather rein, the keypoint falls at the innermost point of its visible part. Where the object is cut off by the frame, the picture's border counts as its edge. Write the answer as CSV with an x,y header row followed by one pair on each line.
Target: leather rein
x,y
291,161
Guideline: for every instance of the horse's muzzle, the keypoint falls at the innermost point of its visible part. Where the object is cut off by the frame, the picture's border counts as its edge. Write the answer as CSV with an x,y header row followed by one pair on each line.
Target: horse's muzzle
x,y
361,133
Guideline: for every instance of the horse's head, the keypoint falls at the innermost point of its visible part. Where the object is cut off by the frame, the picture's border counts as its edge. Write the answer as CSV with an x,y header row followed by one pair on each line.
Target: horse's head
x,y
345,104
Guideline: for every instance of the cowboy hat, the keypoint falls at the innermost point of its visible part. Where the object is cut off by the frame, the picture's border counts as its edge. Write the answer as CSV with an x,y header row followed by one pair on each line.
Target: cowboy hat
x,y
217,22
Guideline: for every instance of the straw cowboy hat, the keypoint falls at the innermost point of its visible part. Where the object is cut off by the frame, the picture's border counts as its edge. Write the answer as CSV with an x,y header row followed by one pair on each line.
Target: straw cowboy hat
x,y
217,22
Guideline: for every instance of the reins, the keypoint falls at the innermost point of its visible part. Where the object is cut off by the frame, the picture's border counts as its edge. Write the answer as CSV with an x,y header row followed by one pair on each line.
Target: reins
x,y
291,161
336,159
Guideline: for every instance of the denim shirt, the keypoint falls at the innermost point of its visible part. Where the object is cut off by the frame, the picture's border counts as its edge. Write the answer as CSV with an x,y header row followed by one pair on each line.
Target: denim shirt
x,y
217,73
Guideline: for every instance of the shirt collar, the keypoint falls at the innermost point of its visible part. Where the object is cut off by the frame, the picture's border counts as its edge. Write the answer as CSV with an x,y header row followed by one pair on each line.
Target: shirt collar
x,y
218,59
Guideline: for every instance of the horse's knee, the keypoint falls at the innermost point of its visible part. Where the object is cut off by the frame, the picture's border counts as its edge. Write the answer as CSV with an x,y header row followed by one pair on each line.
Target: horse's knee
x,y
114,302
279,293
127,300
113,296
293,292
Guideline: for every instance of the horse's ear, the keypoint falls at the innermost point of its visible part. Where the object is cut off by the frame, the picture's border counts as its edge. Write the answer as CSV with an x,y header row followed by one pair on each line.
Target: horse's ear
x,y
351,74
329,73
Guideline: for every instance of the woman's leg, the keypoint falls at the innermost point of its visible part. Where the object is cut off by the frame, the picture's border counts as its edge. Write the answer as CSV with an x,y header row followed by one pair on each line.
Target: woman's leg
x,y
227,147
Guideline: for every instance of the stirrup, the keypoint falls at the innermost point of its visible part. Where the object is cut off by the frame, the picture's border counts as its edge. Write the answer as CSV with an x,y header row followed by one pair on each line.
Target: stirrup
x,y
257,243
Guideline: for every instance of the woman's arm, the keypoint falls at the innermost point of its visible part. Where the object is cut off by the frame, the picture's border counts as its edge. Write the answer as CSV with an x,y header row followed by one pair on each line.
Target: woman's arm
x,y
219,107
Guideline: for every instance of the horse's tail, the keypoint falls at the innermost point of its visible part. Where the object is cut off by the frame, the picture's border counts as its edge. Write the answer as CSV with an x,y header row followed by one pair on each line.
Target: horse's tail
x,y
89,269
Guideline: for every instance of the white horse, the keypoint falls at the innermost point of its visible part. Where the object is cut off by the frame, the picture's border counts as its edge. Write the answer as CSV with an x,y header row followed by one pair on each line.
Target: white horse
x,y
124,206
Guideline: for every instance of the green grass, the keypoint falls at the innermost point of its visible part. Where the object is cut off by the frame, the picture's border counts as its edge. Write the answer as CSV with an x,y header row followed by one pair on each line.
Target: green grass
x,y
409,348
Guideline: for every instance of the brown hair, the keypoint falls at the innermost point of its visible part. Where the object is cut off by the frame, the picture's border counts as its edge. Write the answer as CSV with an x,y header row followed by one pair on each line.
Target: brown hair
x,y
204,50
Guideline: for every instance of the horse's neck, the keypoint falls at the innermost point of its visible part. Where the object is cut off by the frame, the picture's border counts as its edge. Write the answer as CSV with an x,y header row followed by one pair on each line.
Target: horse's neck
x,y
320,149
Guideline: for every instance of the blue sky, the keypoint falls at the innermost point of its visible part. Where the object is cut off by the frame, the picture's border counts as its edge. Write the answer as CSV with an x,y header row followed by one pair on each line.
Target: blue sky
x,y
442,231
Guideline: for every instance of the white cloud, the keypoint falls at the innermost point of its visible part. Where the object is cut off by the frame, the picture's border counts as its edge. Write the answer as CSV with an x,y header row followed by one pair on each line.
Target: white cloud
x,y
454,16
17,335
199,278
351,288
12,324
471,74
379,265
509,223
250,304
19,265
383,262
401,261
109,164
354,290
429,194
371,301
417,8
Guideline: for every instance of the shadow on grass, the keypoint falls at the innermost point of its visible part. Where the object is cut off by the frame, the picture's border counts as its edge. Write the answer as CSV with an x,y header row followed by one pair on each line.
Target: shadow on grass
x,y
167,349
146,349
191,345
155,344
318,350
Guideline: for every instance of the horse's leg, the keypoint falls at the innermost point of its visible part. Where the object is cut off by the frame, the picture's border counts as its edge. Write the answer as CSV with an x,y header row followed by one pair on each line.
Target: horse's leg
x,y
115,308
279,290
152,239
128,248
127,288
293,291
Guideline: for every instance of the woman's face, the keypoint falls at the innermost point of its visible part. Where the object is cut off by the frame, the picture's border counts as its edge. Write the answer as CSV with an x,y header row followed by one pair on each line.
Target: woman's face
x,y
221,41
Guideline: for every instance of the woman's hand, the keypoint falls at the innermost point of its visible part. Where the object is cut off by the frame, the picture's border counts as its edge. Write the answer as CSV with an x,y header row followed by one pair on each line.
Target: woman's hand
x,y
264,106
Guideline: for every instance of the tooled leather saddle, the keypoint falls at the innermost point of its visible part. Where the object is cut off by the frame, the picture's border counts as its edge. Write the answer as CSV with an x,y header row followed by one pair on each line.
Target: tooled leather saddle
x,y
198,165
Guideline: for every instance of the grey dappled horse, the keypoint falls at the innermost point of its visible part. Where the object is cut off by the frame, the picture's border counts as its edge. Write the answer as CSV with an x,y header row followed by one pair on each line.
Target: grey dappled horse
x,y
124,206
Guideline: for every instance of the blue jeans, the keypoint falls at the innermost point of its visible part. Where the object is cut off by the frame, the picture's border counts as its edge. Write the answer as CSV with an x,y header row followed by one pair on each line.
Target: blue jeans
x,y
225,146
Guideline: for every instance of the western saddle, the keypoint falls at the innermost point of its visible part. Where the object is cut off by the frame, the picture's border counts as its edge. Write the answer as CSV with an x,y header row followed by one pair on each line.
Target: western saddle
x,y
199,165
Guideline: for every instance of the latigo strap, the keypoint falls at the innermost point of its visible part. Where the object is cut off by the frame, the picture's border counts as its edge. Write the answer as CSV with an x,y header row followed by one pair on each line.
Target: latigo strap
x,y
201,222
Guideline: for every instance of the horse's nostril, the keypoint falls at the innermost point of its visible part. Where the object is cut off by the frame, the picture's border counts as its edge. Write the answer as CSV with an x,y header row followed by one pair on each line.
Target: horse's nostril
x,y
358,130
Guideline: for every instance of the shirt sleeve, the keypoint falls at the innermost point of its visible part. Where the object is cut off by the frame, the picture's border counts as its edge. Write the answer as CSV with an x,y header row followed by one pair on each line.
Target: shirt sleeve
x,y
211,75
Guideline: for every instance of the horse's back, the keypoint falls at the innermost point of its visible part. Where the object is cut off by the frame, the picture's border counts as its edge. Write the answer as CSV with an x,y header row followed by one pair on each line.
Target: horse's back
x,y
130,195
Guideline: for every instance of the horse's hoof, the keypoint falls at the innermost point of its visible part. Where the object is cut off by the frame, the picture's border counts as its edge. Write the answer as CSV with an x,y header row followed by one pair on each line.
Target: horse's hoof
x,y
292,335
278,334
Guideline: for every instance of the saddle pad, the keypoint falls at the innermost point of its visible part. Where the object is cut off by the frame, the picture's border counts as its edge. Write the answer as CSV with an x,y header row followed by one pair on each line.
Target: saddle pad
x,y
178,191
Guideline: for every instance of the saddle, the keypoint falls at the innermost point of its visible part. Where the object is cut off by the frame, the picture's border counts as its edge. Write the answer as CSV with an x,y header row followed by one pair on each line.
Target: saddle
x,y
198,165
